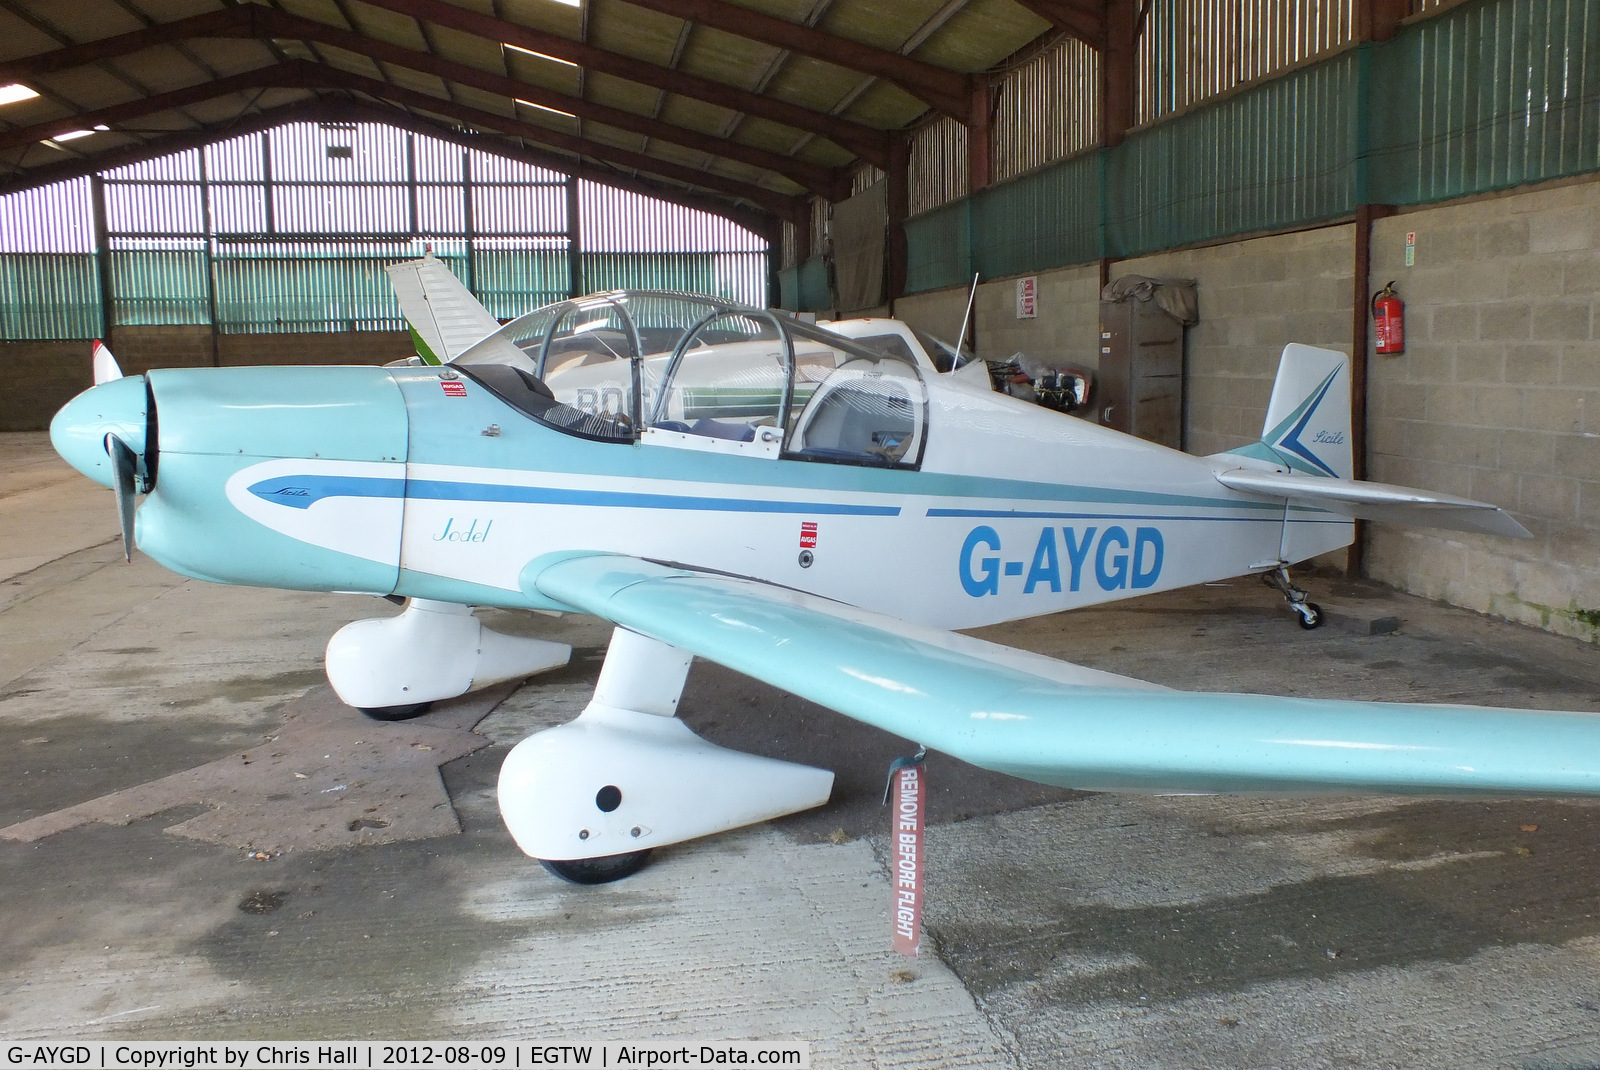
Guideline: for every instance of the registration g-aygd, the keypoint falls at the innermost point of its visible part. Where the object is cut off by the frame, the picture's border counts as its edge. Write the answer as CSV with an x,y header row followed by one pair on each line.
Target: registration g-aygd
x,y
410,1055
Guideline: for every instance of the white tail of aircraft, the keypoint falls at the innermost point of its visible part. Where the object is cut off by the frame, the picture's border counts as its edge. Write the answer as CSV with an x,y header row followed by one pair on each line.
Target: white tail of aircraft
x,y
1305,444
1308,420
440,309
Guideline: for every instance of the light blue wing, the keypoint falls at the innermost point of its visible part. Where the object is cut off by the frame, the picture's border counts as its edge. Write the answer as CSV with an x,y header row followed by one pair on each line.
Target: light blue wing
x,y
1057,723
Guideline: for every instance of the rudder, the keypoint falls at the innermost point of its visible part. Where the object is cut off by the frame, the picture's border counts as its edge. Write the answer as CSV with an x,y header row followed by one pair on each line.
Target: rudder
x,y
1308,421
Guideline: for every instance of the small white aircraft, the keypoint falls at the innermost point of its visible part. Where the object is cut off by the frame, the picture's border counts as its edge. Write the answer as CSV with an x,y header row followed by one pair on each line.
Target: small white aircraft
x,y
735,484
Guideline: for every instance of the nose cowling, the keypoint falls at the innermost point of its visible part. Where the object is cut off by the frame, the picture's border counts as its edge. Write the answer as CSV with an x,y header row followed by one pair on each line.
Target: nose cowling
x,y
119,408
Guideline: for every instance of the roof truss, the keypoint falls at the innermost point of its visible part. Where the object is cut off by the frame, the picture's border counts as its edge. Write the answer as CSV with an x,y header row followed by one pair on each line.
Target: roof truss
x,y
255,21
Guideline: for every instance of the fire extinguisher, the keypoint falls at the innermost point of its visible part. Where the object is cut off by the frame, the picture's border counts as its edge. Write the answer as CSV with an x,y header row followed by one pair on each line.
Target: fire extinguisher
x,y
1389,320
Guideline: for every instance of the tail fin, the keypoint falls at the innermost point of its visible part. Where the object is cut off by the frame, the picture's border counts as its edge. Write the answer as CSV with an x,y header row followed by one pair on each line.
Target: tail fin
x,y
444,316
1308,431
1308,422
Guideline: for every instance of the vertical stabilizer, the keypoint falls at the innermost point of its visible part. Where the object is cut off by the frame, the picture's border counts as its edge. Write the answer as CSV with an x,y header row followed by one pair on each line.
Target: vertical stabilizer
x,y
1308,422
441,310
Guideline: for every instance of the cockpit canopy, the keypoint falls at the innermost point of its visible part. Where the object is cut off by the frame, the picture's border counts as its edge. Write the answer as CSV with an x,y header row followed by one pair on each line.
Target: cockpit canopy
x,y
619,366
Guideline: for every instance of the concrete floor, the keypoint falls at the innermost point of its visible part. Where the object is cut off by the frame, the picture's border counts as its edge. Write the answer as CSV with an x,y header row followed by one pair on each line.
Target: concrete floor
x,y
197,841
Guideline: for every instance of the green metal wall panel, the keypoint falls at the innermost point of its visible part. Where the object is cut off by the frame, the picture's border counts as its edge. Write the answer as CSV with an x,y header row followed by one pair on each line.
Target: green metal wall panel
x,y
509,282
730,275
816,294
267,291
1278,155
159,286
49,295
1049,218
939,247
789,288
1487,96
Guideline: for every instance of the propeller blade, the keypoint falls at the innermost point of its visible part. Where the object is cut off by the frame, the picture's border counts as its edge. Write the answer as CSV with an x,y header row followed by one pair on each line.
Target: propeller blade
x,y
125,464
106,367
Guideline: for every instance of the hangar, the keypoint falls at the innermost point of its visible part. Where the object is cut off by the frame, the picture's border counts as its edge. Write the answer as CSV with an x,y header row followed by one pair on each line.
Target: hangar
x,y
220,184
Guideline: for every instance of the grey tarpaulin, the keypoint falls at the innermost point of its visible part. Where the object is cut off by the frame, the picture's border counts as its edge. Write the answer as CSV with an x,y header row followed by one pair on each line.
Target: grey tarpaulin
x,y
1175,297
859,229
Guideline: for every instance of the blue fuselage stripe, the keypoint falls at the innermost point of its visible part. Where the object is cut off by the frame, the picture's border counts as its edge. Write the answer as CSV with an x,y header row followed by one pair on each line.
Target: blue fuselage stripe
x,y
1025,514
301,491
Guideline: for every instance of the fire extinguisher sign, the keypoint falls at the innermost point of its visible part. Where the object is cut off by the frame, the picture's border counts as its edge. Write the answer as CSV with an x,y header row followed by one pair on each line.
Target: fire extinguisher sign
x,y
1028,297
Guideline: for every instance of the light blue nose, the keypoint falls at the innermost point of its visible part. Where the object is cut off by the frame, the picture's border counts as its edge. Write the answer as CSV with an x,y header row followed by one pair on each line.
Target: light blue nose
x,y
79,430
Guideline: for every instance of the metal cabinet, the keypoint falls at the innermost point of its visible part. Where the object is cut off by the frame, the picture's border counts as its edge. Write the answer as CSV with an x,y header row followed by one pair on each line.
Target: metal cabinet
x,y
1140,383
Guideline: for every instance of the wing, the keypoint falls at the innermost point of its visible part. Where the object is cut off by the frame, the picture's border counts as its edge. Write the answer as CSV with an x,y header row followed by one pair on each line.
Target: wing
x,y
1057,723
1377,501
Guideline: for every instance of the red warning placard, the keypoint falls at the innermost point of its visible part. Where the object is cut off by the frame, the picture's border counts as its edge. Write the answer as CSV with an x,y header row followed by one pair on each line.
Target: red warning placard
x,y
905,907
808,534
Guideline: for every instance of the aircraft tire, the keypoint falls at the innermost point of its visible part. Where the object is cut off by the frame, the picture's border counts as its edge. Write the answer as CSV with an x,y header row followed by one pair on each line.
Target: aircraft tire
x,y
602,870
396,713
1313,618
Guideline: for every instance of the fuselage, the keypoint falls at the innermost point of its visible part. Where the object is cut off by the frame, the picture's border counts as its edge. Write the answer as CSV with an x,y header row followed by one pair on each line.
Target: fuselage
x,y
423,482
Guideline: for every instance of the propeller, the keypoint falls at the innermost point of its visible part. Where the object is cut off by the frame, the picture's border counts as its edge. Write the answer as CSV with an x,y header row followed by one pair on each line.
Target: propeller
x,y
124,464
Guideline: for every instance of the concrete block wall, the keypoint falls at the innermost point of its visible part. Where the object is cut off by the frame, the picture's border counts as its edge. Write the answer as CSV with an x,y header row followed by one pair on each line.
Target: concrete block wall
x,y
138,349
937,312
1497,397
42,377
1255,297
1066,329
349,347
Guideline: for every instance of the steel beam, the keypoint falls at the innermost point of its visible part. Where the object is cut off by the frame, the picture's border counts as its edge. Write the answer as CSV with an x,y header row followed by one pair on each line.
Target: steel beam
x,y
944,89
1118,66
1084,21
978,150
224,23
824,181
317,76
1379,20
255,21
864,141
133,109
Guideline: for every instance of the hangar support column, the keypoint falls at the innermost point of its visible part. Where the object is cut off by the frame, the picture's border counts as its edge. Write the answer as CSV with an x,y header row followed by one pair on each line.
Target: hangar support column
x,y
1117,67
1376,20
898,175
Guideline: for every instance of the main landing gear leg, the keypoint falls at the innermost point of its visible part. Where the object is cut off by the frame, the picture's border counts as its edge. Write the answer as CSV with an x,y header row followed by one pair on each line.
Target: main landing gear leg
x,y
589,799
1309,612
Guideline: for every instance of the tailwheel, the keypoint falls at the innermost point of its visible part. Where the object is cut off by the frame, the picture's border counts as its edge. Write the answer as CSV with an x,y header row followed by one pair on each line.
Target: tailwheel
x,y
1309,613
602,870
396,713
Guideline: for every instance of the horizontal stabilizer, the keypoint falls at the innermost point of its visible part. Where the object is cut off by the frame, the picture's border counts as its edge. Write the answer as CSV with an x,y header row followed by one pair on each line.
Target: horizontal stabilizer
x,y
1063,724
439,307
1377,501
